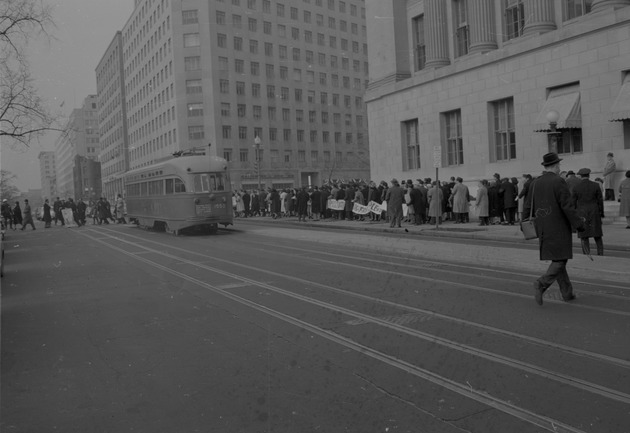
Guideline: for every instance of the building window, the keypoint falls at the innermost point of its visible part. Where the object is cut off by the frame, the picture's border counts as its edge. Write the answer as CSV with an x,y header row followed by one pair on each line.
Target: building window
x,y
191,40
255,90
193,87
190,17
236,21
221,40
226,132
242,132
575,8
238,43
195,110
241,110
254,68
195,132
252,24
242,155
453,138
419,47
514,18
266,27
225,109
227,154
257,112
462,40
240,88
220,18
569,141
192,63
253,46
239,66
503,125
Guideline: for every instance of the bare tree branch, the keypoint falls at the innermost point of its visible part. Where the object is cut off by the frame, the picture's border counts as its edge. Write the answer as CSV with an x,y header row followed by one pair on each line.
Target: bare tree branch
x,y
24,116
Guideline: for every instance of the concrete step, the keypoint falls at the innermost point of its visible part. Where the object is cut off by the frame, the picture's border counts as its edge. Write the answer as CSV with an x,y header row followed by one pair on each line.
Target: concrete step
x,y
611,211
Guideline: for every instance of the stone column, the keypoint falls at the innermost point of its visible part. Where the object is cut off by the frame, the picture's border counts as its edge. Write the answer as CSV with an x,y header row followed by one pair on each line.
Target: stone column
x,y
436,27
604,4
482,26
539,17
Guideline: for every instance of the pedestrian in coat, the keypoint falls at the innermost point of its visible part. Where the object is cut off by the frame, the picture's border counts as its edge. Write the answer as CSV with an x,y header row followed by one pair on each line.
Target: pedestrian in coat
x,y
81,210
509,200
434,196
301,200
276,209
524,193
624,199
556,218
262,202
589,204
102,209
47,217
120,210
395,197
246,203
17,214
459,201
7,214
57,206
419,203
27,216
609,172
493,202
482,203
359,199
316,203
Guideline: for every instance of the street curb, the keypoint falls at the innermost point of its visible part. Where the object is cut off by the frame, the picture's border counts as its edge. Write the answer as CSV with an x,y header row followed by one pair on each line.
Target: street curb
x,y
453,233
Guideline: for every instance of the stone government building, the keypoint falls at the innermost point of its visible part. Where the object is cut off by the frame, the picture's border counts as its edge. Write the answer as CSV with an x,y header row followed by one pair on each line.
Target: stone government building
x,y
475,80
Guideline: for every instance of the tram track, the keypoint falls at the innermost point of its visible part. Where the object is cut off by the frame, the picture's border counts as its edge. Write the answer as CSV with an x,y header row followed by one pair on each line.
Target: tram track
x,y
142,254
623,363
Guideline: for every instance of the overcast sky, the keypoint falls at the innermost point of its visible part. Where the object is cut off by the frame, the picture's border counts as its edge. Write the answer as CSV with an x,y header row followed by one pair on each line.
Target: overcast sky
x,y
63,69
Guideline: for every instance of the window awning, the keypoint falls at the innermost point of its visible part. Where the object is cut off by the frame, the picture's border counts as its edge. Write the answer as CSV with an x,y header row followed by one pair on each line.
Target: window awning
x,y
567,104
620,109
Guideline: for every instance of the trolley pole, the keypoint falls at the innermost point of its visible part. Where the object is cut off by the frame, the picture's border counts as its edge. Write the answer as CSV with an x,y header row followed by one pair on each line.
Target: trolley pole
x,y
257,146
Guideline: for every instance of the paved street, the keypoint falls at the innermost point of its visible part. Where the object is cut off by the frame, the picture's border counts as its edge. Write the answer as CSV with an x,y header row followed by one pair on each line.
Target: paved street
x,y
275,327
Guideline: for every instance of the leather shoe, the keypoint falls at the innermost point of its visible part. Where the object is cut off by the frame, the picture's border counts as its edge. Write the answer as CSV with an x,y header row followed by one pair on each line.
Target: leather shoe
x,y
571,297
538,292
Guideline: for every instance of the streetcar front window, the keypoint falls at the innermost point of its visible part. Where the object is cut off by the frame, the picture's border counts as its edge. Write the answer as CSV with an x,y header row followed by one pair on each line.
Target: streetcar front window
x,y
208,182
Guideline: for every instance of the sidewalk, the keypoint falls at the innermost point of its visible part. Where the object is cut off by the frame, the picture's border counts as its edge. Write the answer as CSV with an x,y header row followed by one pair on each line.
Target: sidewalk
x,y
616,236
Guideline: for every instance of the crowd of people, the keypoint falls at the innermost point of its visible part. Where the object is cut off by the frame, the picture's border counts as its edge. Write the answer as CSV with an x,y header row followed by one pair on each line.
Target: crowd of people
x,y
499,200
100,211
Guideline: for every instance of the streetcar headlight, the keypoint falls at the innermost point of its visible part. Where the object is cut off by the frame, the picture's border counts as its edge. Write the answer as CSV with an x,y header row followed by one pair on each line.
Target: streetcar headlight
x,y
197,201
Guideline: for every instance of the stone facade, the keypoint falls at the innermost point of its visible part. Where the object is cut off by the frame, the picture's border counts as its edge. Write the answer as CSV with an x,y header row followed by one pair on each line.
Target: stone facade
x,y
589,54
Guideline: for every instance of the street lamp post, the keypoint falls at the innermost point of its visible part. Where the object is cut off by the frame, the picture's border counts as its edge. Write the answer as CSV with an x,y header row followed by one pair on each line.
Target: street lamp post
x,y
257,146
552,118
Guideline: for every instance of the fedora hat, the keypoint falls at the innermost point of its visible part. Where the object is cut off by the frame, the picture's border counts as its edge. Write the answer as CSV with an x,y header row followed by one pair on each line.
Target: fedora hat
x,y
584,172
550,158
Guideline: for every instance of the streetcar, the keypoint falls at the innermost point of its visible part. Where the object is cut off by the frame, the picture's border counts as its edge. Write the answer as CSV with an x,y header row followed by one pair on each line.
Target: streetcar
x,y
189,191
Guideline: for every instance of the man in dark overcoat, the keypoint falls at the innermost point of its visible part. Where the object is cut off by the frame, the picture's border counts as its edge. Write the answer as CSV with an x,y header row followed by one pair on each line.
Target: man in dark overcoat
x,y
555,220
247,199
588,200
316,203
509,200
395,197
419,203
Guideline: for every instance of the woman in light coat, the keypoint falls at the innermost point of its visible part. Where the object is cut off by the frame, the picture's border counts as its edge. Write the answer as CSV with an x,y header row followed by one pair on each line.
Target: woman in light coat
x,y
482,203
434,196
459,201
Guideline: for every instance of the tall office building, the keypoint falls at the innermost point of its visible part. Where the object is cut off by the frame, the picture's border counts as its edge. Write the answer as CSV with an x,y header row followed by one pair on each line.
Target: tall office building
x,y
220,73
80,138
112,115
48,174
470,85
